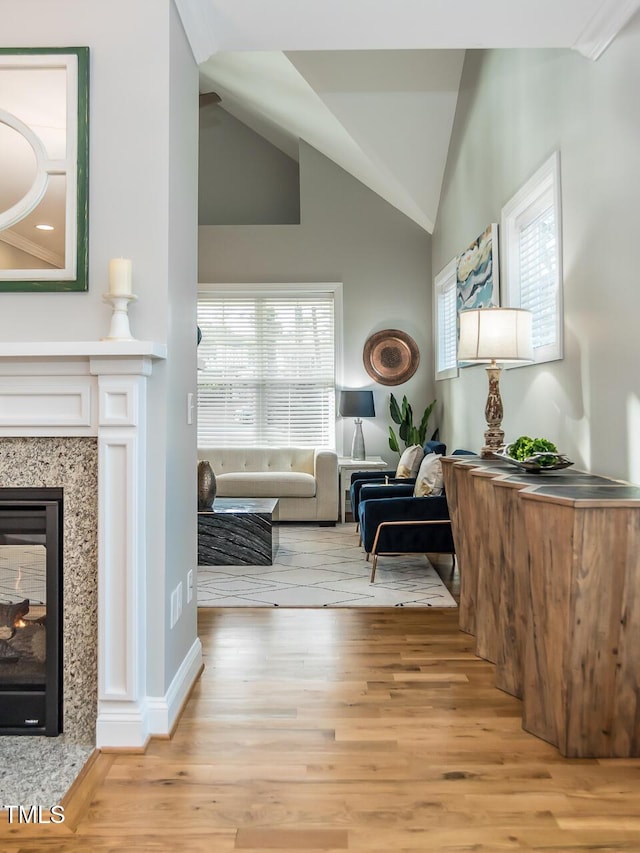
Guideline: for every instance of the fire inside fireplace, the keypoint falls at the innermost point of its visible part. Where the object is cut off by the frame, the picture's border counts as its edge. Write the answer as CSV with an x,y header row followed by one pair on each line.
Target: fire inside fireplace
x,y
30,611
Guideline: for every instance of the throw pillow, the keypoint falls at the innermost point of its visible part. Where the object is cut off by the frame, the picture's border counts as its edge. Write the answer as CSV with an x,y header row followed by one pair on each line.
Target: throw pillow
x,y
410,462
429,480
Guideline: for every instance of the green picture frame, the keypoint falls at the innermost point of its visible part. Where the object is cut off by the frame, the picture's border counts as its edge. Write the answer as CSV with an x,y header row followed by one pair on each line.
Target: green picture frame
x,y
74,272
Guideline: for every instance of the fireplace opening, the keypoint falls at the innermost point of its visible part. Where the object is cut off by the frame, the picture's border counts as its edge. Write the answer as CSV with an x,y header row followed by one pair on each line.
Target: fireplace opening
x,y
30,611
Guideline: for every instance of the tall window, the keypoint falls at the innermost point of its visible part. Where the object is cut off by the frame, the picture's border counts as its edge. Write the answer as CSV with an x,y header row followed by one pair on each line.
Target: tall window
x,y
269,369
445,322
532,257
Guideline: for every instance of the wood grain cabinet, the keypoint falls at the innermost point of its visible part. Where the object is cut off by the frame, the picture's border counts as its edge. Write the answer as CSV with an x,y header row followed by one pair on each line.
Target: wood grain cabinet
x,y
550,588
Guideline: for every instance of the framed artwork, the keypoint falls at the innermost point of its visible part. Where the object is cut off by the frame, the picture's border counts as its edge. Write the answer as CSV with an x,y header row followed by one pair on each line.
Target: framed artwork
x,y
44,183
477,281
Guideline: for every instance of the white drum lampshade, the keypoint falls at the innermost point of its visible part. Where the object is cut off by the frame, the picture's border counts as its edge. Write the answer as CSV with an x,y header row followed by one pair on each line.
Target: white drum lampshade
x,y
495,334
492,335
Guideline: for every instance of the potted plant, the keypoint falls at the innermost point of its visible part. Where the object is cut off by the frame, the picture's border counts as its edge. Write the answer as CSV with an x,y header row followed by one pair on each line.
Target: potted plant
x,y
403,416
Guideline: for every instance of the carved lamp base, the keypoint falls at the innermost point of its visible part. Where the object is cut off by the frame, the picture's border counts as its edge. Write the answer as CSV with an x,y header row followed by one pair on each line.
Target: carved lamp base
x,y
493,411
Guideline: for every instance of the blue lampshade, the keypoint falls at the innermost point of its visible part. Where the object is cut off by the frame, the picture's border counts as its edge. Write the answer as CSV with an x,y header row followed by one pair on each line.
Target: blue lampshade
x,y
357,404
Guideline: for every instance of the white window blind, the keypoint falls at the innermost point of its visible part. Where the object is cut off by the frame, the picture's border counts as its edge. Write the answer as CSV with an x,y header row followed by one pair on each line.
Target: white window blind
x,y
269,377
532,257
539,275
445,310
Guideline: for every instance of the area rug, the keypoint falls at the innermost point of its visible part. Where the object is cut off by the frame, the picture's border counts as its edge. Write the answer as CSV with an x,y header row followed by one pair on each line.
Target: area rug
x,y
323,567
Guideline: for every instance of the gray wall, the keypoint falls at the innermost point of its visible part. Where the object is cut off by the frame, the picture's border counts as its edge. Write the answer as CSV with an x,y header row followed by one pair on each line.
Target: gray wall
x,y
142,205
347,234
243,179
515,108
180,451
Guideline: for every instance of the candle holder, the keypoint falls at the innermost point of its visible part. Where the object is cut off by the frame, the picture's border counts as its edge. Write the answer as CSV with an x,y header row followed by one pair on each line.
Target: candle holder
x,y
119,329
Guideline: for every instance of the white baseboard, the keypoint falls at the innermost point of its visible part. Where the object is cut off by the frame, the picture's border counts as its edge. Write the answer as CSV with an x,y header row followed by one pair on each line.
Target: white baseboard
x,y
122,726
129,725
162,711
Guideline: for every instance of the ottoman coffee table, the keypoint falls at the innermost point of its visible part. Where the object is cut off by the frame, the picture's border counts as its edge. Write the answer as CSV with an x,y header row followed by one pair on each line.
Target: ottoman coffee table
x,y
238,532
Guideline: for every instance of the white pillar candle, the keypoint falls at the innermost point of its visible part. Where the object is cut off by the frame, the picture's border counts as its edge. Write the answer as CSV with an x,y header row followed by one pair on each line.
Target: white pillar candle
x,y
120,277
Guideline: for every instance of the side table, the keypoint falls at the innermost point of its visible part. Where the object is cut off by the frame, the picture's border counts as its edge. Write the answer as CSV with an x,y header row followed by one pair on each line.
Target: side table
x,y
238,532
345,468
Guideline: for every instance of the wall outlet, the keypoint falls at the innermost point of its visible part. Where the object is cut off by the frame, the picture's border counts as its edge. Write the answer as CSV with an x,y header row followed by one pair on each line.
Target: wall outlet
x,y
189,585
174,607
179,601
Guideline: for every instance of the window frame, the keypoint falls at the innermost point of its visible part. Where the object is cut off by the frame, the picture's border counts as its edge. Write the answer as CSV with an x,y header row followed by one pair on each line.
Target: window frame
x,y
291,289
446,279
519,211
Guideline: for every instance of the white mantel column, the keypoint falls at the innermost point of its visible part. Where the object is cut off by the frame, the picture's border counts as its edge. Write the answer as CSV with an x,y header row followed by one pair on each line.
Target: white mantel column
x,y
122,706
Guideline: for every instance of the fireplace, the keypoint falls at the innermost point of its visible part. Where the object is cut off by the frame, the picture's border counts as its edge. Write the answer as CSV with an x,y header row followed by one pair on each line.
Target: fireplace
x,y
30,611
73,415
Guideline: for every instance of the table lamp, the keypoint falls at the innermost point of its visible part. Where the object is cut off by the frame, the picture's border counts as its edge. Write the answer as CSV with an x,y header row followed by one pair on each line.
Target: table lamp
x,y
357,404
493,335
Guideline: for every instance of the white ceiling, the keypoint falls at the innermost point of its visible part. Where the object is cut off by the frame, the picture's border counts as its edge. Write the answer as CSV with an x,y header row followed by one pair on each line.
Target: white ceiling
x,y
384,116
373,84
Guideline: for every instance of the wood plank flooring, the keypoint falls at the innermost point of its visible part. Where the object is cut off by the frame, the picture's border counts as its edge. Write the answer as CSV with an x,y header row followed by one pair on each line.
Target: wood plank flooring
x,y
352,730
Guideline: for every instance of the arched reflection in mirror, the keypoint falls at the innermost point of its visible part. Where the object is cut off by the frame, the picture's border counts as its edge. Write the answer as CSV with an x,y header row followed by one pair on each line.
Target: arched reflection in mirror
x,y
43,169
17,167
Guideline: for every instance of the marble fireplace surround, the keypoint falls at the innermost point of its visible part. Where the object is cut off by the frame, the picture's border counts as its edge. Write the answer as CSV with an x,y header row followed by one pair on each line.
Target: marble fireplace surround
x,y
71,463
63,392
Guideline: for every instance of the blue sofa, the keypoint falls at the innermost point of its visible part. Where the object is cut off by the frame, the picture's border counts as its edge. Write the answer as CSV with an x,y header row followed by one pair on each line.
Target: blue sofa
x,y
393,521
366,478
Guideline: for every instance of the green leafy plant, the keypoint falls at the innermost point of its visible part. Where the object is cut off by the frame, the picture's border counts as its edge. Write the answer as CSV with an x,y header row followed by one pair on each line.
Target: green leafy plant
x,y
524,447
403,416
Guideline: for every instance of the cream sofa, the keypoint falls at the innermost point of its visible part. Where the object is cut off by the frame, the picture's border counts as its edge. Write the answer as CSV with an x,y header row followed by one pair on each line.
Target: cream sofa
x,y
304,480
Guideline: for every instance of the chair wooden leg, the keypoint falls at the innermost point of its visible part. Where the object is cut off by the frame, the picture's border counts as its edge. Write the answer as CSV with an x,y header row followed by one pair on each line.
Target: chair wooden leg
x,y
373,567
357,526
367,556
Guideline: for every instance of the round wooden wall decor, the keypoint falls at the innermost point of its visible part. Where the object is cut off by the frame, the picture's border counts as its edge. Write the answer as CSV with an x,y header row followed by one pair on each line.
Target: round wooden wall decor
x,y
391,357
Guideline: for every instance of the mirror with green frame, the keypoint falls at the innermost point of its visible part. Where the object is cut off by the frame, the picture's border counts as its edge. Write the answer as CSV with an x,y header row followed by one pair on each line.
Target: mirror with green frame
x,y
44,156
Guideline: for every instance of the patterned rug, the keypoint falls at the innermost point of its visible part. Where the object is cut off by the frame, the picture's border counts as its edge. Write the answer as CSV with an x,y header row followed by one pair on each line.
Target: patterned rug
x,y
323,567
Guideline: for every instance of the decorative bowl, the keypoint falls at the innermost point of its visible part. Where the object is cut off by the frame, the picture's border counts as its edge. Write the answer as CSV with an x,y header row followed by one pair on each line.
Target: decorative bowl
x,y
533,464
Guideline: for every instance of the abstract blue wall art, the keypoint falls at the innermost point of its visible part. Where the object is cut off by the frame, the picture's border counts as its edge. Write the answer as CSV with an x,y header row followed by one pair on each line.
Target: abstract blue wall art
x,y
477,272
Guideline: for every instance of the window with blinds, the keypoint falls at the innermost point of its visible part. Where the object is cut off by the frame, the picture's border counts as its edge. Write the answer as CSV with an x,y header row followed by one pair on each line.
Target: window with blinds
x,y
269,370
445,322
532,257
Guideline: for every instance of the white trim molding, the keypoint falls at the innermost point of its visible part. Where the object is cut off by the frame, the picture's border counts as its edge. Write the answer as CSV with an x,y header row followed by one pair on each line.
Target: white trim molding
x,y
57,405
163,711
16,240
610,17
100,389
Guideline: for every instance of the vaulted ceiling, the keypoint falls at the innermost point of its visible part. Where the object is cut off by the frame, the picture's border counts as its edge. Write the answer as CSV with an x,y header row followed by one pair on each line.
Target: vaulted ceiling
x,y
373,84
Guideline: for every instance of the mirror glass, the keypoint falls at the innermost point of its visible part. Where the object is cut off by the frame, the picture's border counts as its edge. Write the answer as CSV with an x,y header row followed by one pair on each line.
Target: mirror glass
x,y
43,168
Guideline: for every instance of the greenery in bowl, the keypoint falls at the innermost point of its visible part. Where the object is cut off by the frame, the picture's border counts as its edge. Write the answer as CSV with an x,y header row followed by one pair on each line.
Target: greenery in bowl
x,y
523,448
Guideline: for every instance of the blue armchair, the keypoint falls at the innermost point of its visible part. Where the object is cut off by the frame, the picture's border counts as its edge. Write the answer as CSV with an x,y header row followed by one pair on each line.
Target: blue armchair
x,y
393,522
367,478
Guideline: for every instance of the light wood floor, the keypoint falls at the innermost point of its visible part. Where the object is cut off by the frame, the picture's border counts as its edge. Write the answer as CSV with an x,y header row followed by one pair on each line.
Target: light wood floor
x,y
349,730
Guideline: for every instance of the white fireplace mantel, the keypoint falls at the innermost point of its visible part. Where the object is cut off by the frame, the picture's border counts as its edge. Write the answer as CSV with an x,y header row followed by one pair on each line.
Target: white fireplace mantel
x,y
88,349
99,388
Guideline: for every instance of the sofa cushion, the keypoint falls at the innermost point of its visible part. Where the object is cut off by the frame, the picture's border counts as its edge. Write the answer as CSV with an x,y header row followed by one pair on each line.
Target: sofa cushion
x,y
429,480
266,484
228,460
410,461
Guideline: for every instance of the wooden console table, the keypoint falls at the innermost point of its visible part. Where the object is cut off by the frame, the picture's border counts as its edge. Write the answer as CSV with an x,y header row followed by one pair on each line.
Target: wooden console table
x,y
549,567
